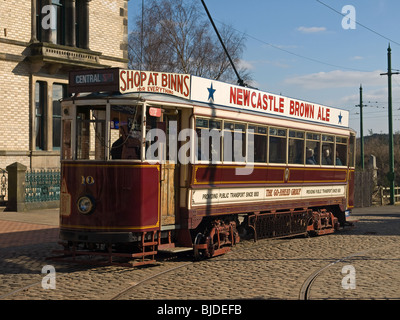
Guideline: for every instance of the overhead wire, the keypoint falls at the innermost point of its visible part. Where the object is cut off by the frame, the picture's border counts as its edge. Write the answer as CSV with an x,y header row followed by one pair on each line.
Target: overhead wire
x,y
290,52
358,23
246,34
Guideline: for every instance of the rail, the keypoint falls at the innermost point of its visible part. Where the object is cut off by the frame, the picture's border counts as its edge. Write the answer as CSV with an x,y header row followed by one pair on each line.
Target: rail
x,y
3,185
42,185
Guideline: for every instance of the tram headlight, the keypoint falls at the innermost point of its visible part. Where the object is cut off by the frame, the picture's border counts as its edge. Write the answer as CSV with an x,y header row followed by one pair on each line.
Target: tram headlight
x,y
85,205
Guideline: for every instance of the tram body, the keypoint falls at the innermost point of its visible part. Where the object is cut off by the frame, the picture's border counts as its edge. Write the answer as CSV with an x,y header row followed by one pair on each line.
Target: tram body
x,y
139,175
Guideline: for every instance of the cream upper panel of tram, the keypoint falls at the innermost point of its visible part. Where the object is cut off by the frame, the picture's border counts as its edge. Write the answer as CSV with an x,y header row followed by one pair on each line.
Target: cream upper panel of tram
x,y
247,99
184,90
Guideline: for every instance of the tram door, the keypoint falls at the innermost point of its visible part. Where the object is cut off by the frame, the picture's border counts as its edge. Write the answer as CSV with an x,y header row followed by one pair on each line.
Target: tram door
x,y
169,170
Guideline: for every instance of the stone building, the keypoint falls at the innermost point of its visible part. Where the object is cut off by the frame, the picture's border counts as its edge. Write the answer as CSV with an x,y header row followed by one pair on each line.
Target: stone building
x,y
40,41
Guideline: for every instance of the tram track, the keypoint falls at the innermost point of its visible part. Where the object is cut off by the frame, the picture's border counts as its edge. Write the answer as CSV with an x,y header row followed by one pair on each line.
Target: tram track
x,y
183,262
126,290
4,296
31,285
170,258
305,289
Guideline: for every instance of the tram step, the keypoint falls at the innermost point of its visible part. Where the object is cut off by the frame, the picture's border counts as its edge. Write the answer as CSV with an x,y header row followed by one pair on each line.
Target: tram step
x,y
174,249
150,243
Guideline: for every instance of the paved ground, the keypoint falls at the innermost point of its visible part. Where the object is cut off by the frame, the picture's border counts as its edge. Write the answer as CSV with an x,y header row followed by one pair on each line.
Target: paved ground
x,y
35,227
267,269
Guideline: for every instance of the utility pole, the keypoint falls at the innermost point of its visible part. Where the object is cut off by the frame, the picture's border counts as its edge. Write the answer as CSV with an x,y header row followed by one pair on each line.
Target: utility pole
x,y
391,154
361,129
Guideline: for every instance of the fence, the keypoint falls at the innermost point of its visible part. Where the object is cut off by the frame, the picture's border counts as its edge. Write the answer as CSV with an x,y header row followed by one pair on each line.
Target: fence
x,y
32,189
384,195
363,188
42,185
367,193
3,185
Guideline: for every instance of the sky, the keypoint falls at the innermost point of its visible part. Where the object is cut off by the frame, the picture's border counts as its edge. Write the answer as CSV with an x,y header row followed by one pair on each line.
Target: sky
x,y
309,50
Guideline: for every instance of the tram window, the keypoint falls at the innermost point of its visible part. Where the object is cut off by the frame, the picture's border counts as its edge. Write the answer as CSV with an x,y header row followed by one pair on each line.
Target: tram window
x,y
341,151
90,135
352,151
201,123
234,142
151,123
208,139
257,144
66,140
126,132
201,126
327,150
239,137
312,148
277,145
296,147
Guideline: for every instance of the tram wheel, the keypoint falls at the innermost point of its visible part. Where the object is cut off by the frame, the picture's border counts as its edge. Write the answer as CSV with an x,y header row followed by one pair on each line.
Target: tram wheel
x,y
199,247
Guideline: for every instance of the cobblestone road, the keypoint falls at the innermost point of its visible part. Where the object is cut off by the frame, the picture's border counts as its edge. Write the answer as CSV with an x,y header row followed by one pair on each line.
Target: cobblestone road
x,y
267,269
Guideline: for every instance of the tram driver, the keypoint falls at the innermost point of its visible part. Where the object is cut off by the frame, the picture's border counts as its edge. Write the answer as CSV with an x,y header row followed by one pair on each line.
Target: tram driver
x,y
128,145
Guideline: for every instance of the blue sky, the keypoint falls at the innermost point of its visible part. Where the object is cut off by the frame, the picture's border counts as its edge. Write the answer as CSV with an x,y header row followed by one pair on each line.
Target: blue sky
x,y
300,49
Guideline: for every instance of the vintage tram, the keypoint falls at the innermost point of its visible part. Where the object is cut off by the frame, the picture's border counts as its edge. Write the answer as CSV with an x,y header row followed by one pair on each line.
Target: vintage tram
x,y
157,161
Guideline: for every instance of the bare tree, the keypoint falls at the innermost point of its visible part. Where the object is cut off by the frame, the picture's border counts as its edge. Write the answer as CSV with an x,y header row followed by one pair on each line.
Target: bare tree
x,y
176,36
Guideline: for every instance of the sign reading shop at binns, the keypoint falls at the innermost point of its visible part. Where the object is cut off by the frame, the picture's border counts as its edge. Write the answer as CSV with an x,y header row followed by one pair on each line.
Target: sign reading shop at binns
x,y
158,82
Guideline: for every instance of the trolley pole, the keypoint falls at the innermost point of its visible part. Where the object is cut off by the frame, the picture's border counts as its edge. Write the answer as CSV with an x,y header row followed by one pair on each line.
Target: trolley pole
x,y
391,174
361,129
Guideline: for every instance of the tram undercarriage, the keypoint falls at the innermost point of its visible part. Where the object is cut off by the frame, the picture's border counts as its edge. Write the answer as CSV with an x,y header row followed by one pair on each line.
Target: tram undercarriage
x,y
222,233
214,236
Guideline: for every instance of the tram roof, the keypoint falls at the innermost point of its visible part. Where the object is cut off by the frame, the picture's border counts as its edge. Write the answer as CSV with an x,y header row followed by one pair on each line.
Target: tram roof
x,y
183,90
157,98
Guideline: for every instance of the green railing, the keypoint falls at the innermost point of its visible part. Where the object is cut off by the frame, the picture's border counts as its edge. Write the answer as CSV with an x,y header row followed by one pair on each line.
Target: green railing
x,y
42,185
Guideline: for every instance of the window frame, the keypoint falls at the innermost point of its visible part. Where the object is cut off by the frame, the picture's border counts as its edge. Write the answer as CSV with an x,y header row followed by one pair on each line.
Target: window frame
x,y
296,138
278,136
330,141
210,149
346,144
58,117
72,23
318,139
257,133
233,130
40,122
